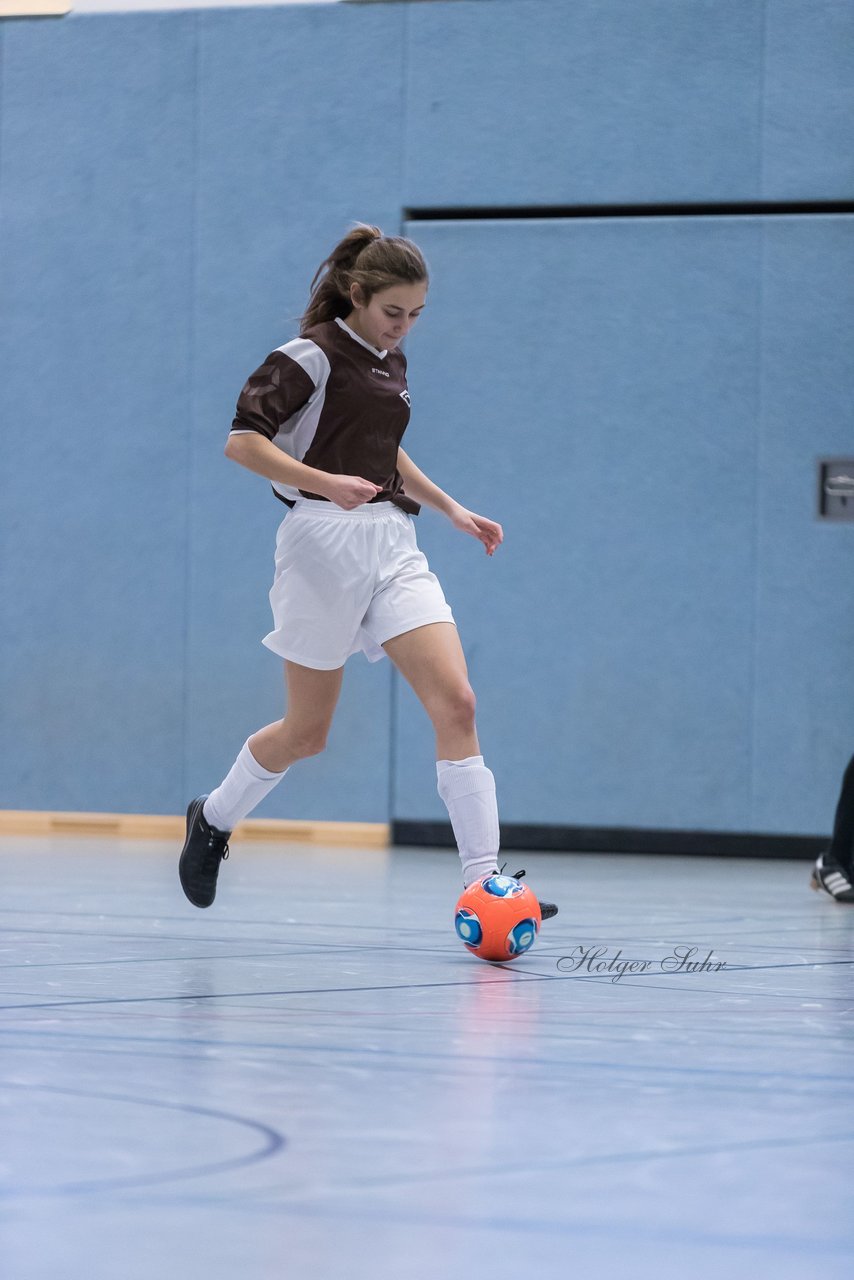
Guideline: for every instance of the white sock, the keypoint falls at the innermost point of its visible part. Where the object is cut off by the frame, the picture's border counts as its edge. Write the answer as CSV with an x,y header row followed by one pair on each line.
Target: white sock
x,y
468,790
244,786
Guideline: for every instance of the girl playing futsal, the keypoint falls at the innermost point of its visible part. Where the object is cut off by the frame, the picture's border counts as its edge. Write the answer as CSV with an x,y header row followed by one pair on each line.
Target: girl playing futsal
x,y
322,419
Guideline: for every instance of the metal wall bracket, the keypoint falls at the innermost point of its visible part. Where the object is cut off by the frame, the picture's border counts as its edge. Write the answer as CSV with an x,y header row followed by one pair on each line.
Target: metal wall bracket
x,y
836,489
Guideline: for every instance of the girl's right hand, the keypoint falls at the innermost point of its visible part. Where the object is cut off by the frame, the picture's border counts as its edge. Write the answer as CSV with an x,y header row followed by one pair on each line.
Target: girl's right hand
x,y
349,491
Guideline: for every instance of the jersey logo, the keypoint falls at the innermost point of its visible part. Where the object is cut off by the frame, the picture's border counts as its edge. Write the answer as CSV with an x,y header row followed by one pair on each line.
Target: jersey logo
x,y
404,395
382,372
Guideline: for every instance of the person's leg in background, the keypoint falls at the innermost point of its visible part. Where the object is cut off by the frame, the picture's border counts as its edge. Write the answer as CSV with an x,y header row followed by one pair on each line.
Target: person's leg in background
x,y
834,870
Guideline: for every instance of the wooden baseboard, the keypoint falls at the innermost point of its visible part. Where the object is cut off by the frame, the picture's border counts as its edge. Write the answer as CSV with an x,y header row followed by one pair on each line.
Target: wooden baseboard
x,y
149,826
34,8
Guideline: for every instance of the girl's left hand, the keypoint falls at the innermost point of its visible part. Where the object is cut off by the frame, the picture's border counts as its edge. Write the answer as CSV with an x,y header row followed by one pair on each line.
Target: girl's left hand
x,y
486,531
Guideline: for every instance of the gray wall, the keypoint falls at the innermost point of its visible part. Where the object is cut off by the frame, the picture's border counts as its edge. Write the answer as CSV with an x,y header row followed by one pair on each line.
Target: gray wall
x,y
664,639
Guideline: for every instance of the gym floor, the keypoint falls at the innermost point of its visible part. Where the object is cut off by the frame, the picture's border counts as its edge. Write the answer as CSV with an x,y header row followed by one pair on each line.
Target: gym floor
x,y
315,1078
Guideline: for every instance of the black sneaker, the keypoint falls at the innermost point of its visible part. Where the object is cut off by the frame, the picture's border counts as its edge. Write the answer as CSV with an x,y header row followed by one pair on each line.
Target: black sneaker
x,y
547,909
829,875
204,849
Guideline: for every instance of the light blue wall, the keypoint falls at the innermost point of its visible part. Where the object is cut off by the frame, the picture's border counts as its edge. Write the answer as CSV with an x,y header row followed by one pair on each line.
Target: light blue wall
x,y
664,639
168,184
620,102
96,228
583,103
612,654
281,172
804,674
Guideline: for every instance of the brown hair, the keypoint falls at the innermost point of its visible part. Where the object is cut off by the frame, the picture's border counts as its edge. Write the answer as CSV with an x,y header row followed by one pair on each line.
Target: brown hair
x,y
365,257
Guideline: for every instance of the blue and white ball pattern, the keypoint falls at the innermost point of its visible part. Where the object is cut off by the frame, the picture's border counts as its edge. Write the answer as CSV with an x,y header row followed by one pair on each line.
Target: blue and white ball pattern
x,y
469,928
521,937
502,886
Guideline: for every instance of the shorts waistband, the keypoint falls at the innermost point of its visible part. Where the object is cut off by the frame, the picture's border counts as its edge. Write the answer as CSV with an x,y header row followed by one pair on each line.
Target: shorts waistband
x,y
367,510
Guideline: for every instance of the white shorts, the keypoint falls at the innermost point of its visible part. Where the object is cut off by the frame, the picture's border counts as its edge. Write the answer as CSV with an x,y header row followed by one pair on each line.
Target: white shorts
x,y
347,581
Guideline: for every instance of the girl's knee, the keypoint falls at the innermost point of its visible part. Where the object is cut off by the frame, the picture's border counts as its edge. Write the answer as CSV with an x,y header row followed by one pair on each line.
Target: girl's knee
x,y
310,746
457,706
303,742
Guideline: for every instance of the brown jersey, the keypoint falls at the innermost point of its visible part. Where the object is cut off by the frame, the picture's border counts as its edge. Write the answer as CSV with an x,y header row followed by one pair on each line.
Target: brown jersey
x,y
331,400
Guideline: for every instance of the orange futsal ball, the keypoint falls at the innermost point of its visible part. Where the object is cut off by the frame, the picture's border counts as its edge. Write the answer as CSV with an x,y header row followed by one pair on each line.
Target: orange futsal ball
x,y
497,918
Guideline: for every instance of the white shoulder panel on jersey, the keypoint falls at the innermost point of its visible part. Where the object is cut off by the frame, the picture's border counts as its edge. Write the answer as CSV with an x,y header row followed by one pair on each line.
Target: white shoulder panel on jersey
x,y
294,437
308,356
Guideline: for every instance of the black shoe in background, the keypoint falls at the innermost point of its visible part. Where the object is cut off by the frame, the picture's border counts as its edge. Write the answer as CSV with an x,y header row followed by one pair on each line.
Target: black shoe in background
x,y
827,874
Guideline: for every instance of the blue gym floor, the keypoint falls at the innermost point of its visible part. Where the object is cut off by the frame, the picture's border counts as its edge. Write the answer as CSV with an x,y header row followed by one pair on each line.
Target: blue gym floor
x,y
313,1078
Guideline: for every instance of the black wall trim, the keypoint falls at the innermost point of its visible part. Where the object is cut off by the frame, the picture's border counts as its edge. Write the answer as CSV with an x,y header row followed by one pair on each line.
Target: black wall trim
x,y
735,209
530,838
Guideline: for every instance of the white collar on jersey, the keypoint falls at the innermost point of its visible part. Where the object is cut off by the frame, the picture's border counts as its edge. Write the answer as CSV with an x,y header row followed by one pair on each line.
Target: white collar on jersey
x,y
382,354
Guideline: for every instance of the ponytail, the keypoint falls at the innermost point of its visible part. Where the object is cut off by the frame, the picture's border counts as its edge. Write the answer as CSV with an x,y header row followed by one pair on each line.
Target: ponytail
x,y
365,257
